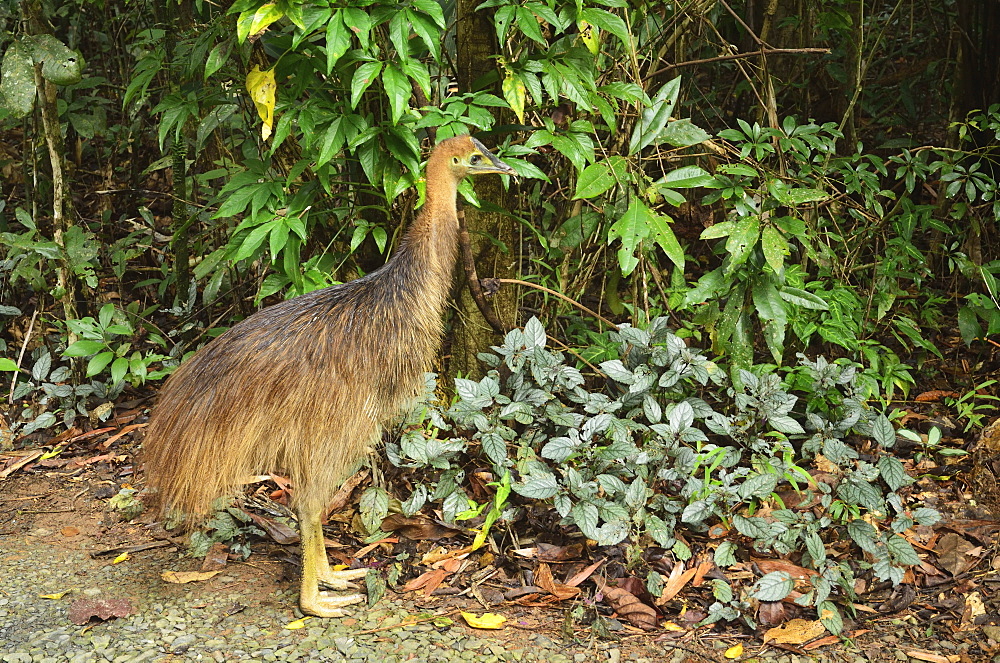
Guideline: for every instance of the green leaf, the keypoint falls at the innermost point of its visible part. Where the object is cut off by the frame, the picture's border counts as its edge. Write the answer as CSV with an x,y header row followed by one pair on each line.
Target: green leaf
x,y
538,487
338,40
364,76
631,229
655,116
119,368
893,472
803,299
528,24
767,300
599,177
785,424
743,238
397,88
7,364
682,133
83,348
773,587
216,58
664,236
515,93
718,230
901,551
725,554
830,616
775,248
605,20
883,432
758,485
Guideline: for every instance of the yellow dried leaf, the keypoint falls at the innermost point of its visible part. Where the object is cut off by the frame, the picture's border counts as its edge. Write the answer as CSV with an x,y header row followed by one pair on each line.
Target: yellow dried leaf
x,y
297,624
590,36
121,558
795,632
515,92
181,577
671,626
262,88
735,651
54,597
487,620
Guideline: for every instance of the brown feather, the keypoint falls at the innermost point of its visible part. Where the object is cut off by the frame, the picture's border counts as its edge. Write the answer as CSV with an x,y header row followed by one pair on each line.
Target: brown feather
x,y
304,387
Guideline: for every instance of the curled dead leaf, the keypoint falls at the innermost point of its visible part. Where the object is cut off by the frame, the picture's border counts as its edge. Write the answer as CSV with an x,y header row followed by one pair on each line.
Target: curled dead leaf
x,y
628,606
181,577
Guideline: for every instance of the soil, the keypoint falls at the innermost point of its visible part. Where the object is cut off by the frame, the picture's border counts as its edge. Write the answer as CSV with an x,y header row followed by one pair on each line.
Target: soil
x,y
56,521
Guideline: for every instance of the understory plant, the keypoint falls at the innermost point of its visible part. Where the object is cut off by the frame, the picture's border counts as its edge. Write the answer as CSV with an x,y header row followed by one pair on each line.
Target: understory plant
x,y
667,445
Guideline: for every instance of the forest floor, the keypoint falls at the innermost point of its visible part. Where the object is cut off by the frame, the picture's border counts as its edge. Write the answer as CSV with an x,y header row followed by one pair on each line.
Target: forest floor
x,y
61,557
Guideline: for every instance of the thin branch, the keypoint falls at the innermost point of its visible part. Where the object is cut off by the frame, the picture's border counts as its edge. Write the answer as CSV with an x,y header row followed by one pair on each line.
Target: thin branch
x,y
560,296
475,287
739,56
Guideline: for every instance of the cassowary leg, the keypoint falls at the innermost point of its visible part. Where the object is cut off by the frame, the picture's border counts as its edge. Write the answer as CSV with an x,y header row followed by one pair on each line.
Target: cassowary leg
x,y
316,569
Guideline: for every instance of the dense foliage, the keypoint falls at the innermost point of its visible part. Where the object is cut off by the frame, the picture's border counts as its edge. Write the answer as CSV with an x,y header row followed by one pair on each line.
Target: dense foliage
x,y
171,170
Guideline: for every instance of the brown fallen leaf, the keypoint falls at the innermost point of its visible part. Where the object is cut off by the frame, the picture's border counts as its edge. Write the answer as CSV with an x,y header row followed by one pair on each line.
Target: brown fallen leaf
x,y
417,528
69,530
933,658
83,610
798,573
628,606
679,576
544,579
795,632
181,577
427,581
279,532
216,558
953,553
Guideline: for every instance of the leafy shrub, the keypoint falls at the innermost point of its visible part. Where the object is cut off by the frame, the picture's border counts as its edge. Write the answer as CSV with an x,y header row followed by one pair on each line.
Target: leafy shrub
x,y
667,445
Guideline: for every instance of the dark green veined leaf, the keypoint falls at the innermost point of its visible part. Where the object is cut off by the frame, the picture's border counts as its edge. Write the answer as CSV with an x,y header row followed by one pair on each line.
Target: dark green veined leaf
x,y
688,177
364,76
397,88
664,236
773,587
654,117
682,133
216,58
803,298
631,229
338,40
599,177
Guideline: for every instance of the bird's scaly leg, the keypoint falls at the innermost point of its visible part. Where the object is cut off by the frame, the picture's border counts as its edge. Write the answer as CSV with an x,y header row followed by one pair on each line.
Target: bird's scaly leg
x,y
316,569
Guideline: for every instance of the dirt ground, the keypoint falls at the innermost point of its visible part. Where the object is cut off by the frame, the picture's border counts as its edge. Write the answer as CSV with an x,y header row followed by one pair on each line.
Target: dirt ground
x,y
58,517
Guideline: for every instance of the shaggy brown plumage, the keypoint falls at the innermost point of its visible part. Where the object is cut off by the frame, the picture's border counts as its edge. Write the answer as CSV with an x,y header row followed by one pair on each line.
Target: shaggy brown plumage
x,y
304,387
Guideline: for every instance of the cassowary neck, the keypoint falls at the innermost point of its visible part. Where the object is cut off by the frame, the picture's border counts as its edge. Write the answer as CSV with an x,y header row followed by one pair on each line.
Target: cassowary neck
x,y
431,242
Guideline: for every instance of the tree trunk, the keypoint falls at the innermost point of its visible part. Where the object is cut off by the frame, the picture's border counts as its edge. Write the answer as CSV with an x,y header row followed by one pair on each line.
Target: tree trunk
x,y
493,236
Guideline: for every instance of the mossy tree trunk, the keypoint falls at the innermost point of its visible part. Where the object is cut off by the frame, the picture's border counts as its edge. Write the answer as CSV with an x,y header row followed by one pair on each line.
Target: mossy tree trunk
x,y
493,236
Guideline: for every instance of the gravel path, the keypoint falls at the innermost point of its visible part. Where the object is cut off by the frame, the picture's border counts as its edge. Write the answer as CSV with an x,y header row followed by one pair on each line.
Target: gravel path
x,y
48,528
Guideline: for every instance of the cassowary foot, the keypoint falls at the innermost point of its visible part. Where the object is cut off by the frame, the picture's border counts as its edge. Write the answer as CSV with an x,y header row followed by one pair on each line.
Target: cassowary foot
x,y
341,580
325,604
